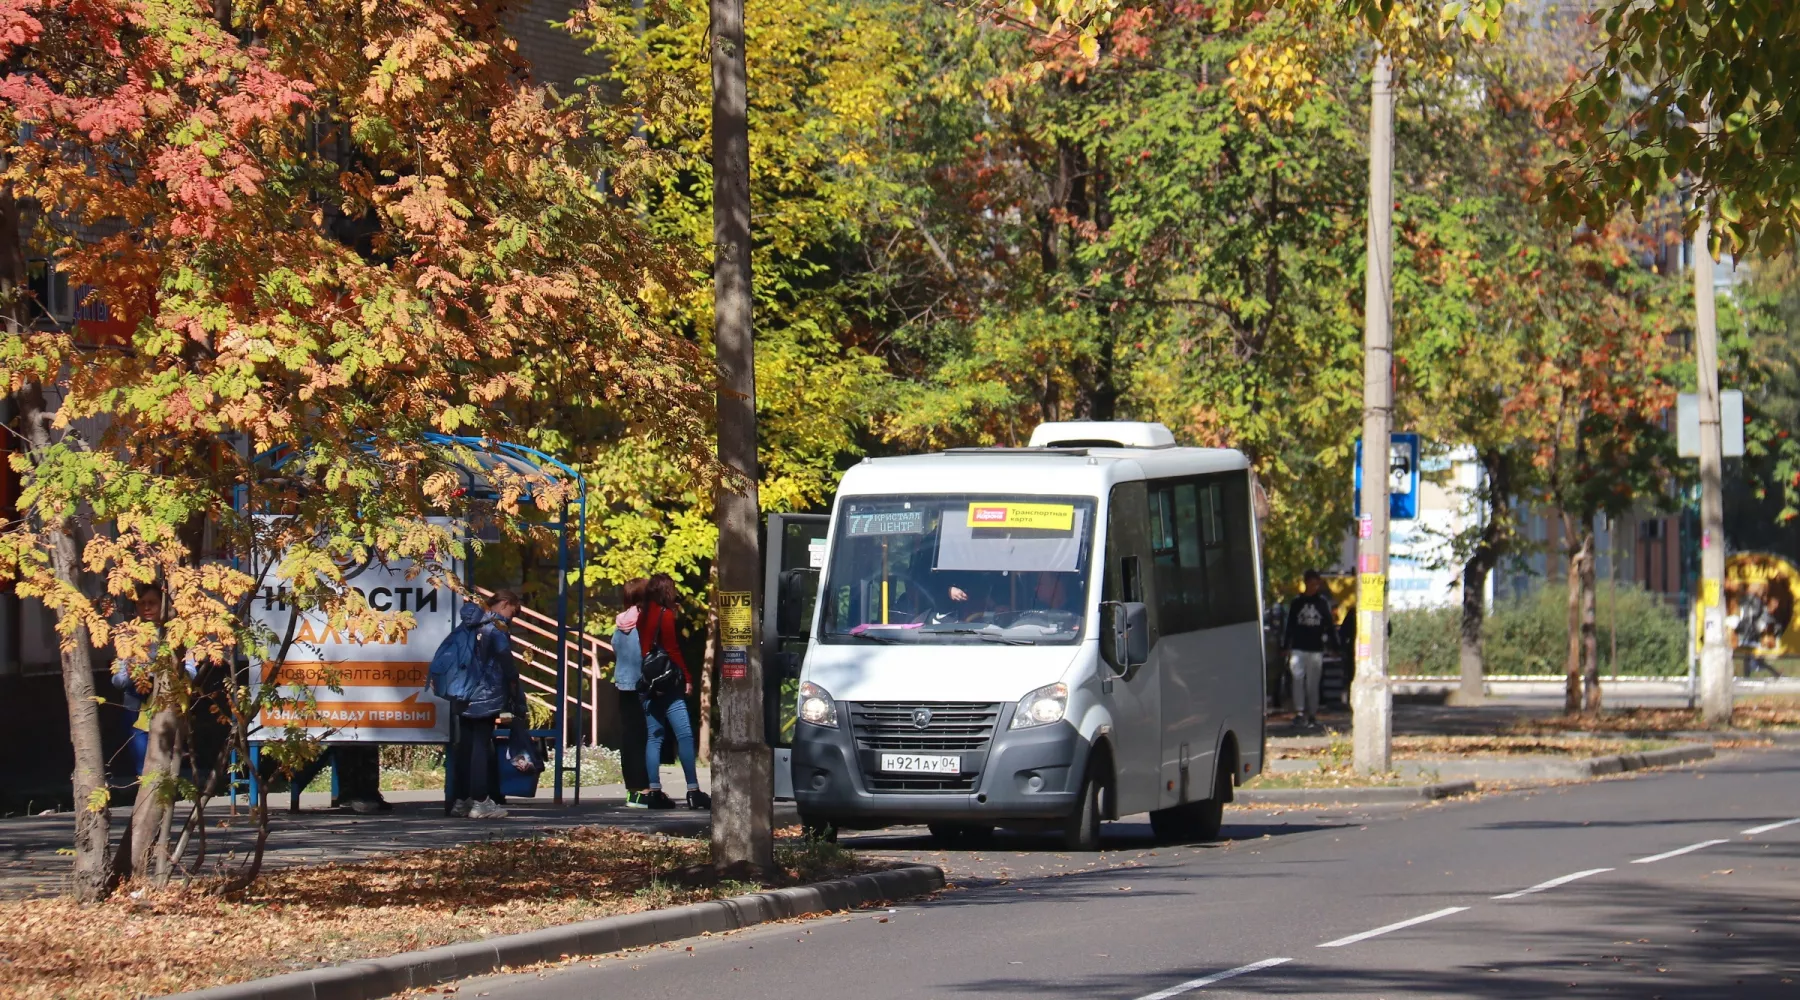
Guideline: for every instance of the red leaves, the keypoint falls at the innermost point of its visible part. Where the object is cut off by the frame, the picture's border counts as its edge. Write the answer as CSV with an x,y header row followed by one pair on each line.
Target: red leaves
x,y
18,27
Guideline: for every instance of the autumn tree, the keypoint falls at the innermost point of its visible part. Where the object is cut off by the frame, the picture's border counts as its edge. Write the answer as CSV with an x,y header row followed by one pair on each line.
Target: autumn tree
x,y
1473,251
1122,234
325,225
1599,379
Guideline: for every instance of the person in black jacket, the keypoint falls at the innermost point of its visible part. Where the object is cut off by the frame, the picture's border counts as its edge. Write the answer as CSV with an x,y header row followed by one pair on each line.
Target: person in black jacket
x,y
1310,627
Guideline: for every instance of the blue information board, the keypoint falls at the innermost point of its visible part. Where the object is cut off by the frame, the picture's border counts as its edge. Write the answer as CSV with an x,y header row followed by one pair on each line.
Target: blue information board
x,y
1403,477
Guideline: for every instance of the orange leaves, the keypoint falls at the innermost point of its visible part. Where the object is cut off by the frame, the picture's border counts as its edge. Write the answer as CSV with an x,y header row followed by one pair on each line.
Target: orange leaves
x,y
362,228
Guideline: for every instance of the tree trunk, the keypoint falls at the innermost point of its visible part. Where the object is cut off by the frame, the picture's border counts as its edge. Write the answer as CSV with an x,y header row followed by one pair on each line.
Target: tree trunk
x,y
1579,545
1590,633
1495,534
742,767
93,817
156,789
1472,688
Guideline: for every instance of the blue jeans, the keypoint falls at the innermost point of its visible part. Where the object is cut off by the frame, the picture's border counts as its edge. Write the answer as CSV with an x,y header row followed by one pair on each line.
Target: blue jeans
x,y
664,713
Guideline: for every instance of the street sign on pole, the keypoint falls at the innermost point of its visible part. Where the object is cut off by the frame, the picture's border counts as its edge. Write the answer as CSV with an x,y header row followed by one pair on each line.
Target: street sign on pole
x,y
1403,477
1731,424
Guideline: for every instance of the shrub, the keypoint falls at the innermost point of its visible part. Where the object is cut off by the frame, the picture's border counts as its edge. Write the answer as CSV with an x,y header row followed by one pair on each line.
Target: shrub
x,y
1531,636
1424,642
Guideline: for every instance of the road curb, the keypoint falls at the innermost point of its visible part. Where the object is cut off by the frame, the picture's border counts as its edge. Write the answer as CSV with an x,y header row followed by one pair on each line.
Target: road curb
x,y
1665,757
380,977
1353,796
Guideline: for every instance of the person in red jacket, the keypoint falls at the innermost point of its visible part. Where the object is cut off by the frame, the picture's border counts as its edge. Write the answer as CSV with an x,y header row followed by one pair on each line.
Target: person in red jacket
x,y
666,712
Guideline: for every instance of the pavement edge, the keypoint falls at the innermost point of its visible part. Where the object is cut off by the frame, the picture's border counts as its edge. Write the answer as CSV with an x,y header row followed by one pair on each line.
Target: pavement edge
x,y
380,977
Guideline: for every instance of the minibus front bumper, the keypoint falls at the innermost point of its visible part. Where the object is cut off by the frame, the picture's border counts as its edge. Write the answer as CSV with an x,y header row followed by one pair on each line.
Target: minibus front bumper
x,y
1021,774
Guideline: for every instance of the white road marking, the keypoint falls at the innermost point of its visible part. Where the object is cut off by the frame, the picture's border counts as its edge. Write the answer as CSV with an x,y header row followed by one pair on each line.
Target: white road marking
x,y
1768,827
1377,932
1553,883
1679,851
1217,977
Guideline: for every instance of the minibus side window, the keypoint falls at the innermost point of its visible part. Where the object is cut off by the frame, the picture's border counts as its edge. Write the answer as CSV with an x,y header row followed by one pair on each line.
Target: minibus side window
x,y
1231,552
1204,553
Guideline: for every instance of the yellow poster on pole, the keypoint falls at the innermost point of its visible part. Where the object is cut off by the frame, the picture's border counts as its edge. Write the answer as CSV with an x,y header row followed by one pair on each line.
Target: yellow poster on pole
x,y
737,620
1371,592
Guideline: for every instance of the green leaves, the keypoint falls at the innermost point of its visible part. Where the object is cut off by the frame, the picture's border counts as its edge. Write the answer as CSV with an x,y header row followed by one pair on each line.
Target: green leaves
x,y
1667,71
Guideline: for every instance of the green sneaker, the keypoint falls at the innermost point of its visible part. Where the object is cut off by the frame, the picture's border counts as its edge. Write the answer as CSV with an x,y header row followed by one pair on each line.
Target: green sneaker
x,y
636,800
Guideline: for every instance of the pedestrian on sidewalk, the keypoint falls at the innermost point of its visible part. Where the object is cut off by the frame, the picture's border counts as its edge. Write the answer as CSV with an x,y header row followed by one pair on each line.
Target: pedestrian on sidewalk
x,y
1309,630
496,697
664,690
628,676
1757,628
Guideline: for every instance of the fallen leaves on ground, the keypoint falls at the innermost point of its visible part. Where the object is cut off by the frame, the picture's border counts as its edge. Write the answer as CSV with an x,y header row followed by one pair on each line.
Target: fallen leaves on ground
x,y
1328,776
1753,714
178,939
1487,746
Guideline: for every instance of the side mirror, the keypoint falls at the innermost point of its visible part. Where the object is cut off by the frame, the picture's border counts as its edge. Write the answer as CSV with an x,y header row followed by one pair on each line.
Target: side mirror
x,y
1130,635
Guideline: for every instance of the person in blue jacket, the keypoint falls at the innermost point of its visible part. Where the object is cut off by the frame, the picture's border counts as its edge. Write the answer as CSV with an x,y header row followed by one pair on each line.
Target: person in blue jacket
x,y
498,697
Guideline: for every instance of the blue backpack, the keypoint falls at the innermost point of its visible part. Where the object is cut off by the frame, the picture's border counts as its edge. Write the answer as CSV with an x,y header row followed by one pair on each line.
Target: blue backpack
x,y
453,674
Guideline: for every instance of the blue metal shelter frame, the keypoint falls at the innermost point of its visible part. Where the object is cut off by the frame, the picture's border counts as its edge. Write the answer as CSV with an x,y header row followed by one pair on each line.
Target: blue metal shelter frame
x,y
477,459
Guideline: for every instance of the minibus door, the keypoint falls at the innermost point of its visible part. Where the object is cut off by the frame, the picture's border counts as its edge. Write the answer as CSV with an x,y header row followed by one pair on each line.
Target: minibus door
x,y
794,559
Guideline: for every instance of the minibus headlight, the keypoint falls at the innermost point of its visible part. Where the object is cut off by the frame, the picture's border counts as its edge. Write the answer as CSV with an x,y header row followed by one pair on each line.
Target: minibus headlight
x,y
1042,707
816,706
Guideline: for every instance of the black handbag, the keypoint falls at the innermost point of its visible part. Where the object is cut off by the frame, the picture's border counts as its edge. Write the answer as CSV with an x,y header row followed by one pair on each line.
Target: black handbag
x,y
661,676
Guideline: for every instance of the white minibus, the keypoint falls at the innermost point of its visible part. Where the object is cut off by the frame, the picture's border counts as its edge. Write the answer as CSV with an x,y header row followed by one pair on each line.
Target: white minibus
x,y
1039,637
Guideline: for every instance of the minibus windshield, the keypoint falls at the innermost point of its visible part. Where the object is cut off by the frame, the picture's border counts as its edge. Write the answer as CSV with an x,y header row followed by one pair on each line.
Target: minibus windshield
x,y
966,568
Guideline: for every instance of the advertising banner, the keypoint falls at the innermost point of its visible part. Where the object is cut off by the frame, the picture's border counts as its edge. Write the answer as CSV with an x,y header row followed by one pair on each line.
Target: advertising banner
x,y
383,697
1760,592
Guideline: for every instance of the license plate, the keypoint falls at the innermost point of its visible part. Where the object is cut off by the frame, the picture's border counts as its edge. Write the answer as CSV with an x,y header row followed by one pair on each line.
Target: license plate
x,y
912,763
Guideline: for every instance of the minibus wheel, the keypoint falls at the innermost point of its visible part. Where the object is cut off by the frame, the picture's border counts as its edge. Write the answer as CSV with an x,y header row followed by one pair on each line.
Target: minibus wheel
x,y
1081,830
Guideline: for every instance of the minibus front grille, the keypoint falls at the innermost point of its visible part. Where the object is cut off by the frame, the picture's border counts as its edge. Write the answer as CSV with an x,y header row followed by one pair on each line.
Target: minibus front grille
x,y
951,727
892,783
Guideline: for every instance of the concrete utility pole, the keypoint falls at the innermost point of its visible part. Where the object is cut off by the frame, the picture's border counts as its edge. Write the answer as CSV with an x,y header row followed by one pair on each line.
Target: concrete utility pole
x,y
1371,703
743,781
1715,648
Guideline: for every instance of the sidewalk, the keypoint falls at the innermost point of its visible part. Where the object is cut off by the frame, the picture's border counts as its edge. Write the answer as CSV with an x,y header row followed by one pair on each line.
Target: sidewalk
x,y
30,866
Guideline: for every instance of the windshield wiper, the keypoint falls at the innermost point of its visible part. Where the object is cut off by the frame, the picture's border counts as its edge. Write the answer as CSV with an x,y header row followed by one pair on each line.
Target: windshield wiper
x,y
871,636
984,634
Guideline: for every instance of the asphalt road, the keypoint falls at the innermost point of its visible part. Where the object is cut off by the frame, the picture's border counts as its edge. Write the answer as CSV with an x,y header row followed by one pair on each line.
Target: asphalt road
x,y
1661,884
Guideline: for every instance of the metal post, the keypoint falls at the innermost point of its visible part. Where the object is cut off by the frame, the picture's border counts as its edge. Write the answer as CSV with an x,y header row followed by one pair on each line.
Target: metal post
x,y
1715,649
743,773
1371,702
590,682
559,718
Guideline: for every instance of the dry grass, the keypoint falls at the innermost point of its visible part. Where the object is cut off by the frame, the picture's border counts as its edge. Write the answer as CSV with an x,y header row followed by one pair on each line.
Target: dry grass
x,y
1767,713
298,918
